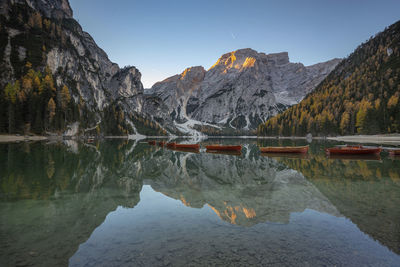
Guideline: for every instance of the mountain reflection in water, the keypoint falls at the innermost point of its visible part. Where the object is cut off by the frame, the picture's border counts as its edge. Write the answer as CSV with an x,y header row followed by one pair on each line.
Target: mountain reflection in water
x,y
54,196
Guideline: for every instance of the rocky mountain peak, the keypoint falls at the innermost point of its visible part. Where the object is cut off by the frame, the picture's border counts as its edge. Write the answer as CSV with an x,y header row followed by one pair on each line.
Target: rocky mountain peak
x,y
242,89
193,74
126,83
243,59
234,59
57,9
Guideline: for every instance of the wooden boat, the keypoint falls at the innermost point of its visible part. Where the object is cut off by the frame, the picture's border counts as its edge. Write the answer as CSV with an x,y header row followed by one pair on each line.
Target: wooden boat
x,y
224,148
284,149
184,146
152,142
188,146
353,150
170,145
394,152
225,152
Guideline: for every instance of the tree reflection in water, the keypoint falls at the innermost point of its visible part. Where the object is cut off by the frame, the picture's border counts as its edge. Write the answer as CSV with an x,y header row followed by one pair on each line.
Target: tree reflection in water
x,y
53,196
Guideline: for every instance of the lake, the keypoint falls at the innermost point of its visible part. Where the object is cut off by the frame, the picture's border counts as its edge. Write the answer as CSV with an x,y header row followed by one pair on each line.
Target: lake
x,y
126,203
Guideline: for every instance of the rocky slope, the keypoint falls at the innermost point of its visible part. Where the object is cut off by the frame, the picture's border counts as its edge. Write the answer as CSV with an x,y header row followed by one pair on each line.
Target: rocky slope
x,y
42,36
83,62
242,89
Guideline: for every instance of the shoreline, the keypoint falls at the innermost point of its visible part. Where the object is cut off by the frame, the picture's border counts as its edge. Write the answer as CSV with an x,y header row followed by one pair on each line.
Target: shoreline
x,y
19,138
384,139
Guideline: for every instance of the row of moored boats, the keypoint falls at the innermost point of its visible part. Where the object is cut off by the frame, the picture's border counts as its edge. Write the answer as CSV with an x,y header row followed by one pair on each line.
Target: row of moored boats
x,y
338,150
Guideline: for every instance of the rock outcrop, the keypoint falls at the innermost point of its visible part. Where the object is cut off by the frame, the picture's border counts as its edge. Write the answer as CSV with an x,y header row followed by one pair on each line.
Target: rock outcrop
x,y
242,89
57,9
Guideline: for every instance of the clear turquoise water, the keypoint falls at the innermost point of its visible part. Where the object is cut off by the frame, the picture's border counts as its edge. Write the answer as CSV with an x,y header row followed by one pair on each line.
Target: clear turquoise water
x,y
125,203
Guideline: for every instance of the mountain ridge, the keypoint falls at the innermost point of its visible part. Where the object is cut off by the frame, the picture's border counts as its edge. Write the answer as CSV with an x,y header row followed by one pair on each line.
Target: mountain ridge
x,y
220,94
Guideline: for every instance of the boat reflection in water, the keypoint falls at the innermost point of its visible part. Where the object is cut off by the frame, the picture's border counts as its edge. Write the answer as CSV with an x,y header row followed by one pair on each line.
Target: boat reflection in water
x,y
286,155
355,157
126,203
188,150
224,152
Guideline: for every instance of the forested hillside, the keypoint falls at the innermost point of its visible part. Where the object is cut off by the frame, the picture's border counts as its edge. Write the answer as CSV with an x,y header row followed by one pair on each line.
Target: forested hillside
x,y
360,96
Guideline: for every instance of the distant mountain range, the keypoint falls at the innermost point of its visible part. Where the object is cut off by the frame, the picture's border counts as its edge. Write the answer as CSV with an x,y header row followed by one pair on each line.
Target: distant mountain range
x,y
361,95
54,79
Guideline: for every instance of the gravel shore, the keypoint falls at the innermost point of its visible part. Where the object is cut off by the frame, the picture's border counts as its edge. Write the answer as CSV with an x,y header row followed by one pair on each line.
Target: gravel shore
x,y
18,138
387,139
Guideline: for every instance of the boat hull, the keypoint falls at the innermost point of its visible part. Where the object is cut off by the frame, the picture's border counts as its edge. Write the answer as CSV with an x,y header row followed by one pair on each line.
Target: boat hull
x,y
183,146
170,145
292,149
187,146
223,148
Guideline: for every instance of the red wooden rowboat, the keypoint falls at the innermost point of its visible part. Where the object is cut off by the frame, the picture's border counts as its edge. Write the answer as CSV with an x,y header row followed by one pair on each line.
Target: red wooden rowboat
x,y
153,142
191,146
184,146
395,152
284,149
353,150
224,148
170,145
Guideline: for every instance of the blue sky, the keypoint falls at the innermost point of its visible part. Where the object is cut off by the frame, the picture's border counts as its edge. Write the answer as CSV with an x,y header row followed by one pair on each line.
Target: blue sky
x,y
162,38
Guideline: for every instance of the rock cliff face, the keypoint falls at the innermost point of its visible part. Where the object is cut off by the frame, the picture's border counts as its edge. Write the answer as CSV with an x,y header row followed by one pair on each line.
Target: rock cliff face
x,y
57,9
175,91
242,89
46,35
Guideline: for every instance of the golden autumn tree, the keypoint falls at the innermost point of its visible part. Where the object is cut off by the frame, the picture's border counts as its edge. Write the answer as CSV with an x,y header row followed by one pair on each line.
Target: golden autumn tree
x,y
51,107
65,97
362,116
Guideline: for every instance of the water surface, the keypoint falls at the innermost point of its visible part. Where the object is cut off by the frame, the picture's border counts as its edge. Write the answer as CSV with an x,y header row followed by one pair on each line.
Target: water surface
x,y
117,203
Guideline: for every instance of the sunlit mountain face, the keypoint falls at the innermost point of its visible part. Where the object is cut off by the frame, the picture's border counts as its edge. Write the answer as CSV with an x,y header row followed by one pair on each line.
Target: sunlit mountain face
x,y
241,90
129,202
